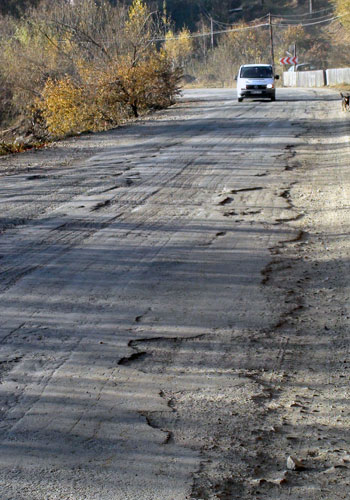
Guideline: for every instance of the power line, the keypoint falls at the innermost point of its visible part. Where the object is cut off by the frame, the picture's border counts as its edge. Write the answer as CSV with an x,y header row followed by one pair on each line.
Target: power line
x,y
220,23
294,22
235,28
209,33
310,24
304,19
245,28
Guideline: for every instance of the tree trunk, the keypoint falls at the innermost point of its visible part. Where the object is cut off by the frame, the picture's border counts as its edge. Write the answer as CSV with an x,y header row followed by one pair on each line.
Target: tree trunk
x,y
134,110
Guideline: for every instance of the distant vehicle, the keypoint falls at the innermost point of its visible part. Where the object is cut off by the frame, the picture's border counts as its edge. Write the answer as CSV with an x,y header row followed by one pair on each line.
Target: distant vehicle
x,y
256,80
302,67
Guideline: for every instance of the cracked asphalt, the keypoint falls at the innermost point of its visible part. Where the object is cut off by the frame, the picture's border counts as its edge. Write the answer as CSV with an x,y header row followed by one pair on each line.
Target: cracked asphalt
x,y
174,306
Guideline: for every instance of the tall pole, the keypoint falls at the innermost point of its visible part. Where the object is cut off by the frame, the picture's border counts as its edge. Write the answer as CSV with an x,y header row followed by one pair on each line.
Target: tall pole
x,y
211,32
271,45
310,6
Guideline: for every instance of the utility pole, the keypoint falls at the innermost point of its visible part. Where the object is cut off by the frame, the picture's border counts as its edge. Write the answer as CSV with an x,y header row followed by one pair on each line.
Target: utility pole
x,y
310,6
271,45
211,32
295,54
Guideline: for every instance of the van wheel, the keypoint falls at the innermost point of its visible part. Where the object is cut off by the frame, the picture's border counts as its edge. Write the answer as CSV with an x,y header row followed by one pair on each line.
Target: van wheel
x,y
240,99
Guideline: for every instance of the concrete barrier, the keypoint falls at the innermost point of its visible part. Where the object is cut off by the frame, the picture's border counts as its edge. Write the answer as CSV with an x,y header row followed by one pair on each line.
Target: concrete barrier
x,y
304,78
338,75
289,79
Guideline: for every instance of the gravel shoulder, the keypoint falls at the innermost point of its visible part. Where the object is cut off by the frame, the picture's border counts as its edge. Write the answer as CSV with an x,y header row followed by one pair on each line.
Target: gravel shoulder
x,y
174,303
314,273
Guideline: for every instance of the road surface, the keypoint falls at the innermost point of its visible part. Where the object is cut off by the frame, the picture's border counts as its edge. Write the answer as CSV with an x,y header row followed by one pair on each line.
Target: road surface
x,y
173,313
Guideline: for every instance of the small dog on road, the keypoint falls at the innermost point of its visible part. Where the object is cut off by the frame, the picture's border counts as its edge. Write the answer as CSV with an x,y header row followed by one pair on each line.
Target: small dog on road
x,y
345,103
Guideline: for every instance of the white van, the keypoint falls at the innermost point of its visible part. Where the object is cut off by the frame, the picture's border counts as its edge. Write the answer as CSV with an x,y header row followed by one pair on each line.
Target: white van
x,y
256,80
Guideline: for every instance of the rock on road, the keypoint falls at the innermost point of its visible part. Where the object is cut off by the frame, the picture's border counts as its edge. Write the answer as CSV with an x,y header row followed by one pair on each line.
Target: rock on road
x,y
173,306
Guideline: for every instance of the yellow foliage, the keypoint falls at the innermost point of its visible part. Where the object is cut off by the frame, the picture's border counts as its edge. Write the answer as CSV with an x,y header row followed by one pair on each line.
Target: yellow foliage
x,y
178,47
248,44
343,10
293,34
67,108
152,83
138,15
74,79
105,97
289,36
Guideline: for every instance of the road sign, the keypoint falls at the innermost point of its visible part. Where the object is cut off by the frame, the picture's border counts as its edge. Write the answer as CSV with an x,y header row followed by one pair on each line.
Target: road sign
x,y
289,60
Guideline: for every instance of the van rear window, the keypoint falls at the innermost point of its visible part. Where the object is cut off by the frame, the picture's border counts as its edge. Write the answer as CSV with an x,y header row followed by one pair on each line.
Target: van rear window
x,y
256,72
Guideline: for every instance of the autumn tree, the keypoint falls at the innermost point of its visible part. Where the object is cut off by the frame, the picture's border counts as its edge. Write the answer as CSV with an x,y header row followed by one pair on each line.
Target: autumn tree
x,y
286,37
241,45
178,47
108,85
144,76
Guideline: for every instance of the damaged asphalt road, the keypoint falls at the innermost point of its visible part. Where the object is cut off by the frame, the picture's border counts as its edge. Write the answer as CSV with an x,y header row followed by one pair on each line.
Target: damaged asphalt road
x,y
174,313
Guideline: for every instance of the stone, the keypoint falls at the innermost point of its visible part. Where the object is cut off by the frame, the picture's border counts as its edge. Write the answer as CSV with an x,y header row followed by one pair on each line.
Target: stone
x,y
294,464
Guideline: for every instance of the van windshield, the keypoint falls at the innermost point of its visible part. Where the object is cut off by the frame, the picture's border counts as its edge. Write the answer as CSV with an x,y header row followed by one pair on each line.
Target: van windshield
x,y
257,72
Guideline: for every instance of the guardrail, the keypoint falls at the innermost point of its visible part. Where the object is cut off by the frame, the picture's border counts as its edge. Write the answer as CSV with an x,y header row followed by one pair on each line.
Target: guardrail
x,y
319,78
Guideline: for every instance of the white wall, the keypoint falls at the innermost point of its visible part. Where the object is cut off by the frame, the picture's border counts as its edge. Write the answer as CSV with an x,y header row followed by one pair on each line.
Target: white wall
x,y
339,75
305,78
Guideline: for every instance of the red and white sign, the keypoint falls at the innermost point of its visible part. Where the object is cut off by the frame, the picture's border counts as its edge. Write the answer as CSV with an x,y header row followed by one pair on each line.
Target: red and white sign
x,y
289,60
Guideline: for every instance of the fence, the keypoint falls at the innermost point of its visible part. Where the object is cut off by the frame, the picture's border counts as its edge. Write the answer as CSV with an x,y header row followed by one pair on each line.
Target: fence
x,y
336,76
304,78
320,78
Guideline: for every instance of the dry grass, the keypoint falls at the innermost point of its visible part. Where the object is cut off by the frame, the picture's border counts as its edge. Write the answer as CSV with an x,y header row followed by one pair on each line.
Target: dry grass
x,y
344,87
12,147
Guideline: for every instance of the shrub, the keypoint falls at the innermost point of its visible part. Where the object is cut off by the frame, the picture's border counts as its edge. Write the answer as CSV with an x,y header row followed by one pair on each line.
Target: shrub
x,y
104,98
151,83
84,65
65,107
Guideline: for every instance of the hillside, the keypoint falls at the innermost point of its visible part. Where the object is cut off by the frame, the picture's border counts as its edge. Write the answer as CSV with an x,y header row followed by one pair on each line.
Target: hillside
x,y
191,12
